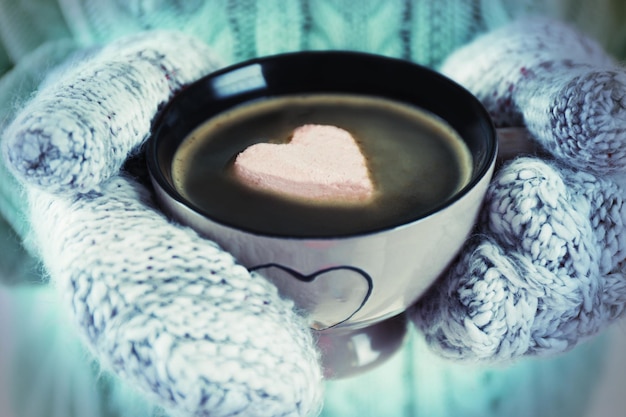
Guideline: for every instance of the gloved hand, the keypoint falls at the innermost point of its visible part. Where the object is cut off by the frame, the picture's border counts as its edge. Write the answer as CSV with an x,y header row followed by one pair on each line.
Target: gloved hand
x,y
166,310
545,267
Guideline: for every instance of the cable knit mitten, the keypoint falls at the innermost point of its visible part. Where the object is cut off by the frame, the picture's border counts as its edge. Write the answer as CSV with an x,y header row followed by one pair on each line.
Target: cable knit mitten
x,y
166,310
545,268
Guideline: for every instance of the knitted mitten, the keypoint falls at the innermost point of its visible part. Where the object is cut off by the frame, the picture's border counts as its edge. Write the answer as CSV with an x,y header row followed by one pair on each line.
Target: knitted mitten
x,y
546,265
77,134
169,312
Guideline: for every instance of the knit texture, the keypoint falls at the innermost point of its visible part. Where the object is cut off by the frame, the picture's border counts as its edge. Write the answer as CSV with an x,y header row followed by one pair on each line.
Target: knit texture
x,y
48,374
167,311
562,85
423,31
16,88
420,30
545,268
544,273
94,111
170,312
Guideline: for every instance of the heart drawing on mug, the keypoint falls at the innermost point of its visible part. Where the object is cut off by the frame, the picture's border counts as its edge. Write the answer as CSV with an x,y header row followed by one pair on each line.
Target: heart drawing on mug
x,y
330,295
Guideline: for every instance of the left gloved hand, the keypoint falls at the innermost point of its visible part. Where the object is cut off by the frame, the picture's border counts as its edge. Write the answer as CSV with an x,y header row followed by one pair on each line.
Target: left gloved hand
x,y
545,266
166,310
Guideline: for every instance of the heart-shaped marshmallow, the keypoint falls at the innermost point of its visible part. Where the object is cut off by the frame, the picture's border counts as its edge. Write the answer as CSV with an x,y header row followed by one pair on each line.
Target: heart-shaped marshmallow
x,y
320,163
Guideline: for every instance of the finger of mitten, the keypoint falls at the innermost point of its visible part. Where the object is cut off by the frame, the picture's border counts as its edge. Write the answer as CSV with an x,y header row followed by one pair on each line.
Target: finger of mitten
x,y
171,312
78,129
495,305
531,209
558,217
535,209
551,237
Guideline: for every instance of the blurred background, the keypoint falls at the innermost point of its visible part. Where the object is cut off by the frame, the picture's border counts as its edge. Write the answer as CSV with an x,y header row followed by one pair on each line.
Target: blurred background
x,y
45,371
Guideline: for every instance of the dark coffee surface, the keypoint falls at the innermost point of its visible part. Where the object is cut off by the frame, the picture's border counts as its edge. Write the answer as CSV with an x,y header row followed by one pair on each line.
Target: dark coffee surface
x,y
416,162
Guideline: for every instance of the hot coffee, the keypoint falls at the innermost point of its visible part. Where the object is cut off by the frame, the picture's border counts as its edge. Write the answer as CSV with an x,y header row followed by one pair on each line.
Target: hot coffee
x,y
416,161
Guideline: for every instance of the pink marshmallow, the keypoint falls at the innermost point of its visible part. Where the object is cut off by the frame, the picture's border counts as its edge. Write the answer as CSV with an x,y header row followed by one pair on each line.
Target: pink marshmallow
x,y
321,163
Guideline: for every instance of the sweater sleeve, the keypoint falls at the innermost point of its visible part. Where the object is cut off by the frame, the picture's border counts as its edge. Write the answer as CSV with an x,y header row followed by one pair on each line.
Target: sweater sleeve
x,y
26,25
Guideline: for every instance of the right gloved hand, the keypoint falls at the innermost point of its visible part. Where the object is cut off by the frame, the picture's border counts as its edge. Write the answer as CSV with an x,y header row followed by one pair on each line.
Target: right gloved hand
x,y
545,267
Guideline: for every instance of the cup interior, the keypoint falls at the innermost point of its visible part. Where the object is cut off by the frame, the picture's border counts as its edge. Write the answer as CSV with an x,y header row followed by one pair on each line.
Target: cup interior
x,y
318,72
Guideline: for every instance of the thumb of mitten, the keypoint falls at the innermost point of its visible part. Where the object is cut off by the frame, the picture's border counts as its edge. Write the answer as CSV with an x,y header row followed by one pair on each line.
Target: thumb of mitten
x,y
557,82
171,312
91,113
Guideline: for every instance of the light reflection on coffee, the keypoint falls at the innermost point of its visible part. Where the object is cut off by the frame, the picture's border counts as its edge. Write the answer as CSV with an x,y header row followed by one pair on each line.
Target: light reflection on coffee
x,y
416,160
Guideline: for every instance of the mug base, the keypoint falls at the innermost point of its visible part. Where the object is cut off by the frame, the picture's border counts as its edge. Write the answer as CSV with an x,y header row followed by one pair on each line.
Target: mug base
x,y
348,353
